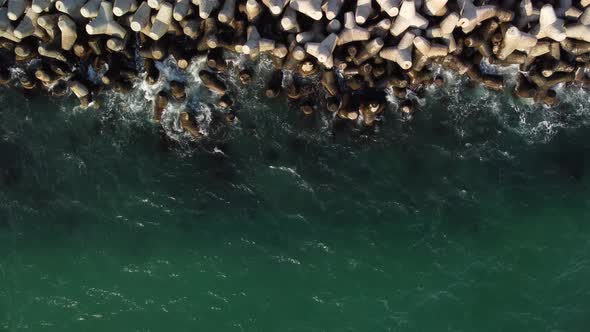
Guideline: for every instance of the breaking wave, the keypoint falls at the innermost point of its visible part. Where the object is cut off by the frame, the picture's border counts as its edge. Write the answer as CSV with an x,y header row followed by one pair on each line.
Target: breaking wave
x,y
468,111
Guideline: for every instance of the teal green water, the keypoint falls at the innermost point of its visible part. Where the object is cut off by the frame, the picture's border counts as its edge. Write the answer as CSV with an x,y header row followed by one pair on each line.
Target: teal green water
x,y
474,216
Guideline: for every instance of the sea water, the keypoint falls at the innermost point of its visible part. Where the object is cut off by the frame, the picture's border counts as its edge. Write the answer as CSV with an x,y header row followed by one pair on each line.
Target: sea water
x,y
471,216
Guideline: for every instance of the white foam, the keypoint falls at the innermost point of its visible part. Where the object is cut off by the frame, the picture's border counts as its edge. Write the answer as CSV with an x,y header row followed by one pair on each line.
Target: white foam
x,y
535,123
286,169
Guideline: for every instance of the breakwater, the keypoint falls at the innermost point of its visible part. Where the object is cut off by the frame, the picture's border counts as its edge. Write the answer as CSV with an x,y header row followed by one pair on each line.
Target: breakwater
x,y
359,51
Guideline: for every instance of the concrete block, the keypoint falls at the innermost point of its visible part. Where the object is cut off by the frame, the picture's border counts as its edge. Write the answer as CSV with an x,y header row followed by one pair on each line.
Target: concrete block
x,y
27,26
68,32
90,9
227,12
408,17
16,9
332,8
40,6
402,53
363,11
122,7
141,17
322,51
161,23
435,7
391,7
352,32
516,40
70,7
105,24
549,25
311,8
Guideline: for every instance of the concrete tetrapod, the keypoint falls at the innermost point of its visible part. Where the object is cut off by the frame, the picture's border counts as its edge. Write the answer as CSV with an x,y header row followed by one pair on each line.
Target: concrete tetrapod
x,y
122,7
48,22
141,18
408,17
206,7
162,22
289,20
255,44
445,30
276,7
402,53
390,7
156,4
40,6
28,25
435,7
548,40
16,8
578,31
80,91
323,51
515,39
549,25
526,14
471,15
371,49
334,26
311,8
332,8
105,24
90,8
227,12
50,52
182,8
426,50
253,10
581,29
70,7
352,32
363,11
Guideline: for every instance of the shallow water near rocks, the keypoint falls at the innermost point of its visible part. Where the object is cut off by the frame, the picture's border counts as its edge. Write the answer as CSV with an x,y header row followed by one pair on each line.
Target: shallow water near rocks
x,y
473,216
